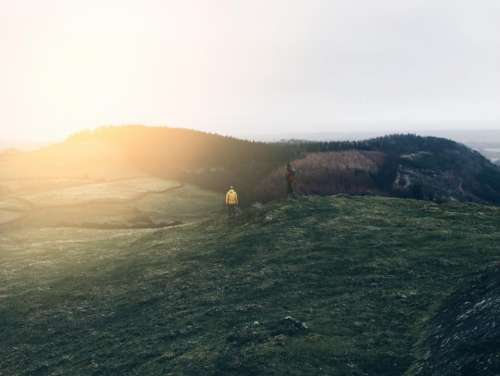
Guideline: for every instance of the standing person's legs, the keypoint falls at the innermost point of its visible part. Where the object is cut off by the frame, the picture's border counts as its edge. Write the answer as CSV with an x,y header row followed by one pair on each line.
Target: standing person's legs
x,y
289,188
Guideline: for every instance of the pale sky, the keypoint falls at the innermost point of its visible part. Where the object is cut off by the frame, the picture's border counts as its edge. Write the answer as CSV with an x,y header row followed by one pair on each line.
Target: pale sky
x,y
253,66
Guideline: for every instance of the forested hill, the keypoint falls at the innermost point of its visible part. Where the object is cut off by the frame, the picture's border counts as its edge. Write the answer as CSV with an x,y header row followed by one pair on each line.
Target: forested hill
x,y
398,165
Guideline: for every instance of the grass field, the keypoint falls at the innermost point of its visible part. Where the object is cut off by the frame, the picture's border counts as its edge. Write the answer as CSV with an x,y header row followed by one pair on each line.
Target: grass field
x,y
117,204
118,190
359,277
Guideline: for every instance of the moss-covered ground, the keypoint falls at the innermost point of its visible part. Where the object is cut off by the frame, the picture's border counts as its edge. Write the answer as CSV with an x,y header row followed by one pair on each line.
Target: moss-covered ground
x,y
359,276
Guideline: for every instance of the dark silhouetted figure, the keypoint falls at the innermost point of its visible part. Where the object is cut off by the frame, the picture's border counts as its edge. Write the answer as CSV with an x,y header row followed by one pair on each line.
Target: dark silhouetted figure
x,y
290,180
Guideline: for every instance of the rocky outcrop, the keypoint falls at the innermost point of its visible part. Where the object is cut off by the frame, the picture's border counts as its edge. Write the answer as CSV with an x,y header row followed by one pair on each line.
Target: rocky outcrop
x,y
430,184
443,170
464,337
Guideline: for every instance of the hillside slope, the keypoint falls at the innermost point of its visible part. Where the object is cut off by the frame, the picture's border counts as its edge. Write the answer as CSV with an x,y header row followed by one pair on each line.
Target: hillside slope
x,y
400,165
464,337
317,286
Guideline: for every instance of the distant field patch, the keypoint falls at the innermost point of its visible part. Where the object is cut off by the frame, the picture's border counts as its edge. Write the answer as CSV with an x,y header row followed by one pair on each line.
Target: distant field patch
x,y
13,204
36,185
104,191
121,204
8,216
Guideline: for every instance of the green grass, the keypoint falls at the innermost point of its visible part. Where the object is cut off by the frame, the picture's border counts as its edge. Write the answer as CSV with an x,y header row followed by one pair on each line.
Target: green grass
x,y
365,274
118,204
115,190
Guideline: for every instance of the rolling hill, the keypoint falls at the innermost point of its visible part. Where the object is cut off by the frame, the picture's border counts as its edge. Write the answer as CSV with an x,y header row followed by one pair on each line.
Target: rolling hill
x,y
401,165
117,257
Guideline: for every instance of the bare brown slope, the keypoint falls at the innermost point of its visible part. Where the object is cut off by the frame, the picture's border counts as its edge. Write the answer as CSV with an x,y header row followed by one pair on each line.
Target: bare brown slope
x,y
328,173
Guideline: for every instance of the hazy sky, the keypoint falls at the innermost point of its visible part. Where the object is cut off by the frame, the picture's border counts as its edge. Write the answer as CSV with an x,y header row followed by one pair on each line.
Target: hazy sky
x,y
248,66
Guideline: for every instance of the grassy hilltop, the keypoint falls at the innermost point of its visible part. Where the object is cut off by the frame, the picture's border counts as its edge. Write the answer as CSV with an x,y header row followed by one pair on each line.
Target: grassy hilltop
x,y
319,286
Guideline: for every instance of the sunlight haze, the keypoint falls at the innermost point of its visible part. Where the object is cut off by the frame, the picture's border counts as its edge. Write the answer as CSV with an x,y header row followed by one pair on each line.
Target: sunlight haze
x,y
248,66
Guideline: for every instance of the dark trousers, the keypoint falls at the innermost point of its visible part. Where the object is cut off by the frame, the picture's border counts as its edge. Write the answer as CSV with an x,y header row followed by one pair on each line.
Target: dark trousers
x,y
231,211
290,191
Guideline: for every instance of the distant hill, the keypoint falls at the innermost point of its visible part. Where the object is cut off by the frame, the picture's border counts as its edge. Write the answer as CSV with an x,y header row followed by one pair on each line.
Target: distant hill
x,y
463,136
399,165
116,152
426,168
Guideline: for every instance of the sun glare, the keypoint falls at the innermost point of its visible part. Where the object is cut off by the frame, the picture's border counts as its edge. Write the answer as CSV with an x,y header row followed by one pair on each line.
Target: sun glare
x,y
88,71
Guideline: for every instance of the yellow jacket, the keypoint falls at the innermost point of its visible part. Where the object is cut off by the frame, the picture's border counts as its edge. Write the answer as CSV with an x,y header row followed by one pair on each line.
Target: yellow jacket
x,y
231,197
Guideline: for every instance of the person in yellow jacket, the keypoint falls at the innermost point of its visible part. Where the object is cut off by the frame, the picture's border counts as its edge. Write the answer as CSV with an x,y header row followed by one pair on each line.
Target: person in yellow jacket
x,y
232,202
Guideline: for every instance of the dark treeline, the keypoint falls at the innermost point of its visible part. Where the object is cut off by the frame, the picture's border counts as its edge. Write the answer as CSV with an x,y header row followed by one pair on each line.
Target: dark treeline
x,y
214,162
